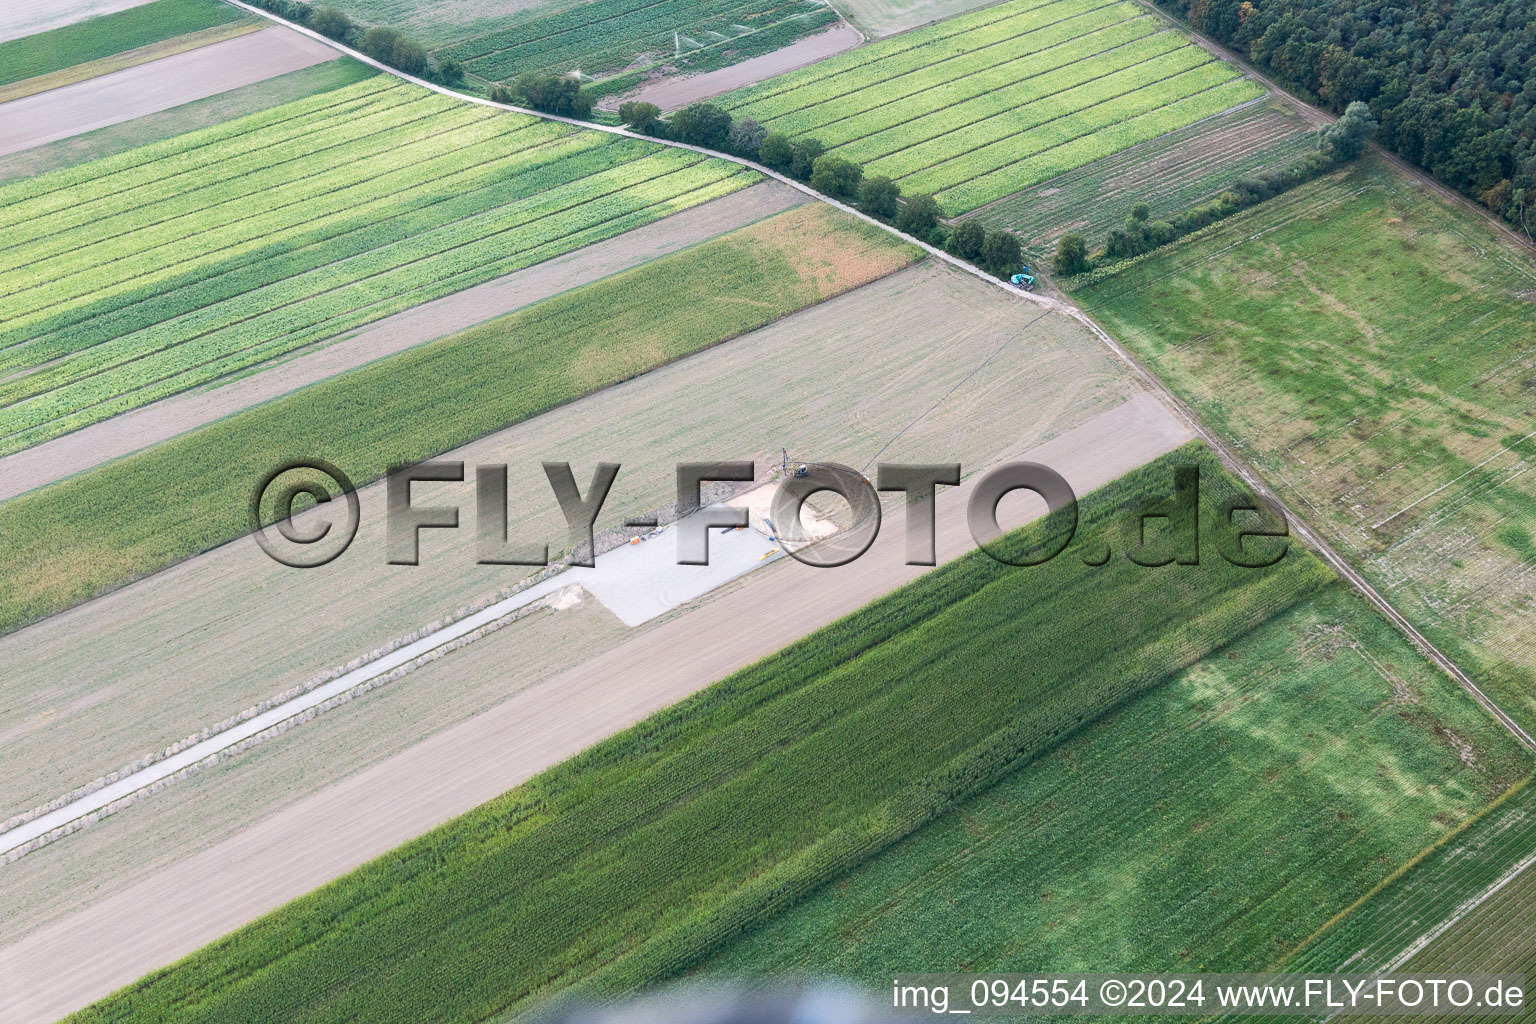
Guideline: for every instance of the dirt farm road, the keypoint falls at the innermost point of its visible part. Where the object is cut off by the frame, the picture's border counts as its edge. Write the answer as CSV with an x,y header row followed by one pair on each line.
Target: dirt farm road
x,y
80,958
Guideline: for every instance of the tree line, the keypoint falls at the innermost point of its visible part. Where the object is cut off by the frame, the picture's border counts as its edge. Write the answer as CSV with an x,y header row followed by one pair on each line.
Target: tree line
x,y
806,159
1453,85
384,45
1337,144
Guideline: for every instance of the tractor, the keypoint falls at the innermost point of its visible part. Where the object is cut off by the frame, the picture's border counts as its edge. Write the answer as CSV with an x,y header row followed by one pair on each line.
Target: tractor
x,y
1025,280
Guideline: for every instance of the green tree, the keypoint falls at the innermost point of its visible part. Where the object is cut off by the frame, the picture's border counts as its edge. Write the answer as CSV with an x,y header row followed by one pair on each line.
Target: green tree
x,y
379,43
450,71
328,21
409,56
638,115
1140,212
702,124
967,239
1346,137
803,155
919,216
1071,255
1000,253
746,137
879,197
501,94
554,94
776,151
836,176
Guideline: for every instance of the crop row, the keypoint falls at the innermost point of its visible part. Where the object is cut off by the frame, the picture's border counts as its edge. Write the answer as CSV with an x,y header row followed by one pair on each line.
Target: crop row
x,y
1008,136
959,30
945,110
943,59
888,103
96,269
397,205
665,841
351,293
601,36
137,232
1170,173
118,176
280,161
1010,178
105,35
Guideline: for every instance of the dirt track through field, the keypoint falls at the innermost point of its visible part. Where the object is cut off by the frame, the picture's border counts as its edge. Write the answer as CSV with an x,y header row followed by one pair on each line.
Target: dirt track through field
x,y
122,435
80,958
672,93
158,85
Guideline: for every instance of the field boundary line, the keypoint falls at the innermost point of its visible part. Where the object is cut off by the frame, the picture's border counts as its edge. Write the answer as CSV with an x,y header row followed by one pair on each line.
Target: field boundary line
x,y
1066,308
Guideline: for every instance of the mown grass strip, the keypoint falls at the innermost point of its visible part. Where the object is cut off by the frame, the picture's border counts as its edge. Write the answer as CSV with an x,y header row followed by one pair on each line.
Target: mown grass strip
x,y
94,38
637,858
99,530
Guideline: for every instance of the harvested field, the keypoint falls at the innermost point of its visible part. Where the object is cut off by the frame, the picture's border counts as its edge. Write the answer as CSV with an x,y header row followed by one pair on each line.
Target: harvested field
x,y
263,235
603,37
188,117
981,106
1370,348
781,777
1211,824
99,37
159,85
1169,174
78,451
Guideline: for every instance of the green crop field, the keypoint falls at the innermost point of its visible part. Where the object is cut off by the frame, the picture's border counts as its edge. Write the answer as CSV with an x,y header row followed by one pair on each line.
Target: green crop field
x,y
166,124
607,36
127,518
1369,347
983,105
138,276
1170,173
638,857
1210,825
108,34
1481,861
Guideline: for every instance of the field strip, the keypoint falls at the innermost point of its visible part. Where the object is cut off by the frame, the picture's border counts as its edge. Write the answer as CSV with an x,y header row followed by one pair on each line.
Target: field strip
x,y
90,446
127,59
635,582
29,17
77,959
1437,490
158,85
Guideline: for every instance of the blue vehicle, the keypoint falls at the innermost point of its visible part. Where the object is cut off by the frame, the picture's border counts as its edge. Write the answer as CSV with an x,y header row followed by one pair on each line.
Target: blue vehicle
x,y
1025,280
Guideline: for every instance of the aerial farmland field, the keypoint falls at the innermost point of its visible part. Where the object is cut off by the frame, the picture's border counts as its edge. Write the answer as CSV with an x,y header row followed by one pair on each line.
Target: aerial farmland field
x,y
1181,831
605,36
831,750
1368,346
268,233
1169,173
980,106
